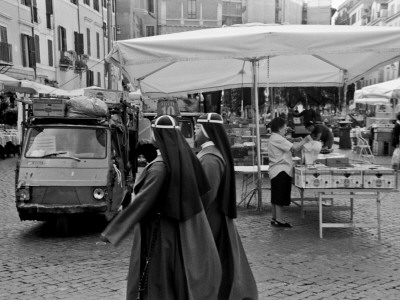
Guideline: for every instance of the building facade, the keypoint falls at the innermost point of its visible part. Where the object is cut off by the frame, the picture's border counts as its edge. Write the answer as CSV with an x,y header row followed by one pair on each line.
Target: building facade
x,y
140,18
372,13
61,43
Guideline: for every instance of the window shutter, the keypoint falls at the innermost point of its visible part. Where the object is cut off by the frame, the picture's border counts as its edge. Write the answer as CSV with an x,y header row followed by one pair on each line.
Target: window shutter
x,y
23,47
37,48
80,44
31,50
78,39
50,52
60,38
98,44
64,39
49,7
88,41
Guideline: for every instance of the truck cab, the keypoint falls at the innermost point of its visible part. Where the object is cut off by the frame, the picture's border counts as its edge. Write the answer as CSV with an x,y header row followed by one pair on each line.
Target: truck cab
x,y
75,165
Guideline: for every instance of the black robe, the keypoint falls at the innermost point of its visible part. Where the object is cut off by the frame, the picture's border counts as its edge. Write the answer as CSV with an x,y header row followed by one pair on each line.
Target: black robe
x,y
237,278
185,263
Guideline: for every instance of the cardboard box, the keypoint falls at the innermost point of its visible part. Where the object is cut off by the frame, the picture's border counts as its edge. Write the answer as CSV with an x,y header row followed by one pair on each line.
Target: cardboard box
x,y
317,177
382,148
377,177
347,178
378,121
48,107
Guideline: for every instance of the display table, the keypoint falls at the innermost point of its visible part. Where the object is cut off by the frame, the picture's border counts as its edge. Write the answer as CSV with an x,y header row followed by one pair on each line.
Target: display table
x,y
358,194
248,178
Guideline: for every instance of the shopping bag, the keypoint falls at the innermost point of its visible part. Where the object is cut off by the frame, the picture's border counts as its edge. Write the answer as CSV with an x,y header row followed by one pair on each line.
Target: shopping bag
x,y
396,159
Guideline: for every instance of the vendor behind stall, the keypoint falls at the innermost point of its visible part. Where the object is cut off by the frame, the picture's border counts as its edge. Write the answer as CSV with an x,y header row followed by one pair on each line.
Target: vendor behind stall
x,y
322,133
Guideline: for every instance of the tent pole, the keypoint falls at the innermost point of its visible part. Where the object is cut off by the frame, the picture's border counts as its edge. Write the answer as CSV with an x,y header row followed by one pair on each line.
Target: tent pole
x,y
255,87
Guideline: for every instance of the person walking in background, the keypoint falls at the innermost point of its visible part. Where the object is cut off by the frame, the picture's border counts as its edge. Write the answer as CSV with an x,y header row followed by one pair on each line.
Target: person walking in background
x,y
309,115
281,169
174,256
220,205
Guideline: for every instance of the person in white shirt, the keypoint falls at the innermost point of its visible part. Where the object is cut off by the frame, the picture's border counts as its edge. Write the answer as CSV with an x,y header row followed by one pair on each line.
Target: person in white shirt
x,y
281,169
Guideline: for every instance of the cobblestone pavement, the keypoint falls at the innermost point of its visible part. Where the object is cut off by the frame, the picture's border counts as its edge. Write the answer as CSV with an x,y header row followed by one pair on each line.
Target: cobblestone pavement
x,y
348,263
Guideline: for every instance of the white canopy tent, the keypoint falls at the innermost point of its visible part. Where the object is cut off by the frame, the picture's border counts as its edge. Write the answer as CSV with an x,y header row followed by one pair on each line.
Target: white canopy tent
x,y
32,87
7,80
388,89
254,55
372,101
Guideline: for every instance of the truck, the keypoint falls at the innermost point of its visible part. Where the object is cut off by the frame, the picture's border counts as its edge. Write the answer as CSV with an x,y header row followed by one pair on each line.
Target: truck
x,y
74,164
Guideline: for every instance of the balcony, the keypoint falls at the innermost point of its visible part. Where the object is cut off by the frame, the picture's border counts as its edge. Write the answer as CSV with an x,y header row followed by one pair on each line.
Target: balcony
x,y
65,63
5,57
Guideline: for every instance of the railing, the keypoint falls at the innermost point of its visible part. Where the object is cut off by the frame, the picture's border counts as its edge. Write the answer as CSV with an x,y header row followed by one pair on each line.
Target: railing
x,y
5,52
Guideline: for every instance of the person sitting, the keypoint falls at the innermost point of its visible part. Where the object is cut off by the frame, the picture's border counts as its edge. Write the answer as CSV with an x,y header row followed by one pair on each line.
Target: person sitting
x,y
321,133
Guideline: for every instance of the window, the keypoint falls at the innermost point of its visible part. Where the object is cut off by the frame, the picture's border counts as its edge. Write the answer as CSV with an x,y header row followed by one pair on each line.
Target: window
x,y
26,2
105,29
67,142
5,48
74,2
28,51
98,44
78,40
87,2
191,9
96,5
98,79
35,12
49,12
150,6
3,34
37,48
104,3
62,38
89,52
353,19
113,5
89,78
50,52
150,30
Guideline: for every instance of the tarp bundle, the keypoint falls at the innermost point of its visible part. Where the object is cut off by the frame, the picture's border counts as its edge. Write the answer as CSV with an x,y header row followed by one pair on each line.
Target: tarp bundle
x,y
83,106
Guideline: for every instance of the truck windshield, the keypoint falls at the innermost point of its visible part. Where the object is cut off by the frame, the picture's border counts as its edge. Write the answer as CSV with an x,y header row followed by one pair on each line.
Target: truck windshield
x,y
66,142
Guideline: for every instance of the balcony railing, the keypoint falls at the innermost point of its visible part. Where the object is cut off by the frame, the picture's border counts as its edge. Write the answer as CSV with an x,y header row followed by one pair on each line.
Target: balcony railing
x,y
5,52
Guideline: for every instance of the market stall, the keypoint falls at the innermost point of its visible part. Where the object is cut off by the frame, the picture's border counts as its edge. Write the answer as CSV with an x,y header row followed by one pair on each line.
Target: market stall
x,y
357,182
253,55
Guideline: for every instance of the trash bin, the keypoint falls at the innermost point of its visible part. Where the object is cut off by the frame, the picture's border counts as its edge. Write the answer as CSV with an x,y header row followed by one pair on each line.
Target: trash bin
x,y
344,137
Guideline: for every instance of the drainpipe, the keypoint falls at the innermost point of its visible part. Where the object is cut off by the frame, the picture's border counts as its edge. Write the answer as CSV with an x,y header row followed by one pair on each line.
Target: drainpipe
x,y
109,20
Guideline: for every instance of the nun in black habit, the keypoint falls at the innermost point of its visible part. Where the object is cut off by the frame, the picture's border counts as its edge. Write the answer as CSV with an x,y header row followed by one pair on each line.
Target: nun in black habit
x,y
220,205
174,256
